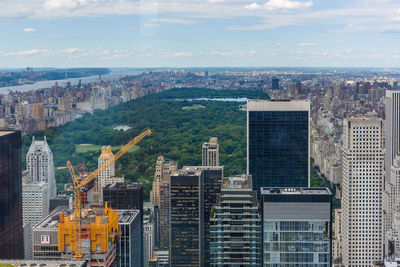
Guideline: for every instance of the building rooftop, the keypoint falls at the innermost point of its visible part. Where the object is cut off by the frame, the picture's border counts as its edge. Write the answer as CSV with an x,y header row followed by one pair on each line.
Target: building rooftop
x,y
278,105
41,263
295,191
51,221
5,132
187,171
124,185
127,216
237,182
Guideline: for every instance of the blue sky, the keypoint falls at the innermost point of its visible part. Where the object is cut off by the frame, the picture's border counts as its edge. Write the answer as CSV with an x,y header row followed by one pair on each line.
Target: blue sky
x,y
199,33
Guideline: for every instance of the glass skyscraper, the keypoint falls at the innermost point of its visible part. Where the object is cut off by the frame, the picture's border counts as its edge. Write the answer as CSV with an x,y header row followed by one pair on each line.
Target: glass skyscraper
x,y
278,143
11,233
297,227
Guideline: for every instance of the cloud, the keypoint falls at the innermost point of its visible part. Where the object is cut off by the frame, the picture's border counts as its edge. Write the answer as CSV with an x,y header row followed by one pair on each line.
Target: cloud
x,y
306,44
29,30
280,4
27,52
394,28
175,20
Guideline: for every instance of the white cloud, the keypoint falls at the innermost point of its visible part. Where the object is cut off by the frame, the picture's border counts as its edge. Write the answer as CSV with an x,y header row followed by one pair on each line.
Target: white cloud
x,y
175,20
29,30
306,44
280,4
394,28
27,52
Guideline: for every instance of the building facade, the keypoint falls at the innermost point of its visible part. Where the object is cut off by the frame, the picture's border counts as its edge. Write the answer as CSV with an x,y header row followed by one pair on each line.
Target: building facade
x,y
160,197
278,143
337,236
210,155
105,177
297,227
392,129
236,225
11,231
362,191
35,202
40,165
186,224
129,250
148,235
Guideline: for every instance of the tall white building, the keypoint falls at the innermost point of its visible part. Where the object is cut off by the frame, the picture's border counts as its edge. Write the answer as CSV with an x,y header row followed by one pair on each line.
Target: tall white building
x,y
40,165
107,176
392,129
211,152
35,202
363,179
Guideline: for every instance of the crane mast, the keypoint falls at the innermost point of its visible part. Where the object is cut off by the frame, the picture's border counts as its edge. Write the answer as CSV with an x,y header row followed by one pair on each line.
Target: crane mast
x,y
79,185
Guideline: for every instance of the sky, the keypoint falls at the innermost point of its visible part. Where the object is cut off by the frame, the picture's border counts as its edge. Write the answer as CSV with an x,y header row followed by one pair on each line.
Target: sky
x,y
199,33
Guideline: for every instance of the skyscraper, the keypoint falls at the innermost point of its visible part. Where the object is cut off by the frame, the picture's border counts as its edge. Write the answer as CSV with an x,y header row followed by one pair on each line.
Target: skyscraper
x,y
297,227
392,129
107,176
40,165
159,196
211,152
186,225
278,143
11,232
275,83
362,191
129,251
236,225
35,202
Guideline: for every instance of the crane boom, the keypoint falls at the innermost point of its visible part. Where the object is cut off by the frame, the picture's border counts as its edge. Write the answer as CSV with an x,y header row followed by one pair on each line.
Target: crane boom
x,y
79,186
117,155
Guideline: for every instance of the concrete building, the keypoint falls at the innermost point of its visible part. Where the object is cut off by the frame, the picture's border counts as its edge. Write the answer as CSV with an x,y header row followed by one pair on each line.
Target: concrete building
x,y
40,165
65,201
337,236
45,236
160,197
160,259
35,202
107,176
186,224
362,191
27,241
392,129
210,152
297,226
148,234
278,143
236,225
129,250
11,231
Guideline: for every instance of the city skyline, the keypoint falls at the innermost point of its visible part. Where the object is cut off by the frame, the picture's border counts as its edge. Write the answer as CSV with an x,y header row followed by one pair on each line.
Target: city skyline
x,y
176,33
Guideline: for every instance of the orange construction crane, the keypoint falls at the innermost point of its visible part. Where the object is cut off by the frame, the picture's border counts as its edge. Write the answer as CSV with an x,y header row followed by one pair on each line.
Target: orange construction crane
x,y
79,185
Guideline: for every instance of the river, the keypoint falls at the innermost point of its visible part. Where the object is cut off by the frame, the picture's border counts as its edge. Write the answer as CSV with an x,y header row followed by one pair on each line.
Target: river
x,y
113,75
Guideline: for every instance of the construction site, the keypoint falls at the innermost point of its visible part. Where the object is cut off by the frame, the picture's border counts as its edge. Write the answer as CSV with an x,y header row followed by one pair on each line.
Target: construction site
x,y
90,231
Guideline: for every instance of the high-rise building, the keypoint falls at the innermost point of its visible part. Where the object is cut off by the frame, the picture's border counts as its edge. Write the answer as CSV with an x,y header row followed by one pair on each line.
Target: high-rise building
x,y
11,232
35,202
186,224
278,143
211,152
275,83
126,196
105,177
362,191
297,91
392,129
159,196
236,225
338,237
129,250
297,227
148,235
40,165
391,198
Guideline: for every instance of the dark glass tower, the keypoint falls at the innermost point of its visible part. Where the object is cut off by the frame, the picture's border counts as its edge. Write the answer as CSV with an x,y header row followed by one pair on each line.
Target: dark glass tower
x,y
126,196
278,143
11,233
186,225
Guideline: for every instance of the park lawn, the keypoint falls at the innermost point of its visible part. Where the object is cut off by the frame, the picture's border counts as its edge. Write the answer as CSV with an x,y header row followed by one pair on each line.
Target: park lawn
x,y
194,107
85,148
